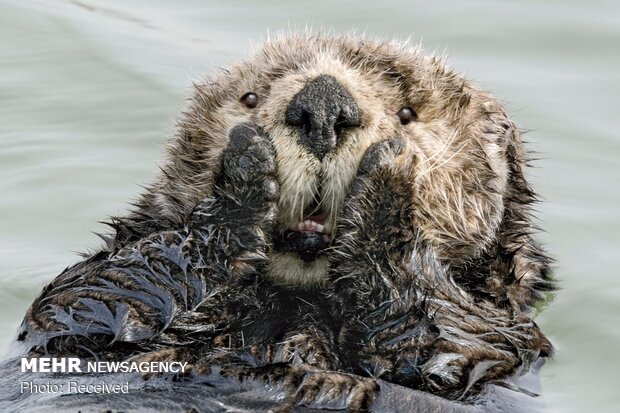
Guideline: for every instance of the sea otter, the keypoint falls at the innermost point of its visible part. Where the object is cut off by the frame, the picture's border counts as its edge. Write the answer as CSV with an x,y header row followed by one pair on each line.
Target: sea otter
x,y
335,213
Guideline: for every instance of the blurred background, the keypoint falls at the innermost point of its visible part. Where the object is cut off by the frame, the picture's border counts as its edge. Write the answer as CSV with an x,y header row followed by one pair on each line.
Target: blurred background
x,y
90,89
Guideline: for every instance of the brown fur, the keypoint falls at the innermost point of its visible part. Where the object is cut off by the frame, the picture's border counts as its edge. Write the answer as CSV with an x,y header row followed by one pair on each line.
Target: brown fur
x,y
471,197
431,273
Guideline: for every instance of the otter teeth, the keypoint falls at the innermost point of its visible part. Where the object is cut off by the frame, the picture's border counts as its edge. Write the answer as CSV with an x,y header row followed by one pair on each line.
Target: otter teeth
x,y
308,225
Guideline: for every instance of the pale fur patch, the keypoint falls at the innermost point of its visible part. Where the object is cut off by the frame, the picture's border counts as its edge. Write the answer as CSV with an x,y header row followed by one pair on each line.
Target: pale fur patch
x,y
289,270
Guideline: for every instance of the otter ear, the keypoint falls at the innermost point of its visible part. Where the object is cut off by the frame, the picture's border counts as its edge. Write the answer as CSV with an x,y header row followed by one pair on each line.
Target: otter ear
x,y
519,267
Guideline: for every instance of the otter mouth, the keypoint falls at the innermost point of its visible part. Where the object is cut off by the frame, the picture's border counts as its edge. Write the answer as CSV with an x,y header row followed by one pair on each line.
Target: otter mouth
x,y
307,238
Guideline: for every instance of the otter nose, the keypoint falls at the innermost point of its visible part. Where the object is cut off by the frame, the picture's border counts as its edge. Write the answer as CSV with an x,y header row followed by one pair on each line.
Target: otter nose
x,y
322,110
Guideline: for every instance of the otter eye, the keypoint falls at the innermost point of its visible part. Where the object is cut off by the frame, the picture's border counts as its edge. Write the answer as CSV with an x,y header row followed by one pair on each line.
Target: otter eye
x,y
250,100
406,115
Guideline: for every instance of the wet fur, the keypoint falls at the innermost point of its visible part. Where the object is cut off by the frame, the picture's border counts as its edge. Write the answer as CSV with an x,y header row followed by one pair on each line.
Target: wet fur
x,y
430,280
473,201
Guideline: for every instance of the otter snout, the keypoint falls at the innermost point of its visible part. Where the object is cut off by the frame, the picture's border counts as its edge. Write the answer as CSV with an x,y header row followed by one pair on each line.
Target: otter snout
x,y
322,110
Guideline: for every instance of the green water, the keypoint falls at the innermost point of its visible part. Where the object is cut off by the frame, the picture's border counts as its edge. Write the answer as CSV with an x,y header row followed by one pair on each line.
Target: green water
x,y
89,91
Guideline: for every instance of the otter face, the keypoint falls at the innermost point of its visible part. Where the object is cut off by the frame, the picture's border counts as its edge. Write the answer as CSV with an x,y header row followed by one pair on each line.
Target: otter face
x,y
324,101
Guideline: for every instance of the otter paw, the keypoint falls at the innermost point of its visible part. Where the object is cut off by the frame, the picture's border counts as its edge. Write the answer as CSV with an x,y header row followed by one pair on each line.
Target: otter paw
x,y
248,163
377,213
381,155
245,192
382,161
234,224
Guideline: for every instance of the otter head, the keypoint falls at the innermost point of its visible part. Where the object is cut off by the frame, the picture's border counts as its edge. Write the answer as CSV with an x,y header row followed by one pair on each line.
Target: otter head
x,y
323,101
